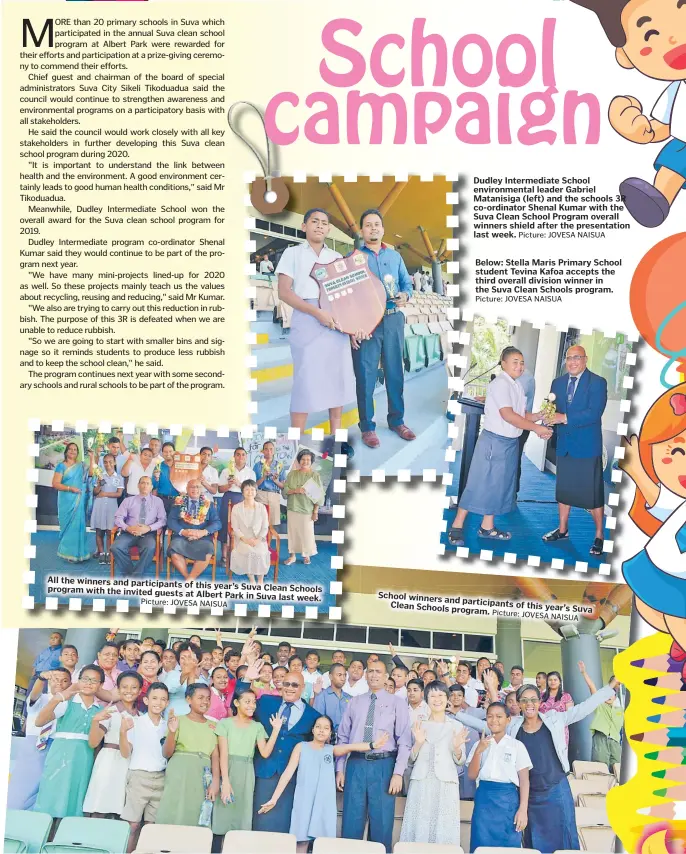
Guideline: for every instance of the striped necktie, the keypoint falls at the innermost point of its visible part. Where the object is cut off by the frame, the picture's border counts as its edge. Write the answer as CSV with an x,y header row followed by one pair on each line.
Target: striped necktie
x,y
571,388
43,736
369,723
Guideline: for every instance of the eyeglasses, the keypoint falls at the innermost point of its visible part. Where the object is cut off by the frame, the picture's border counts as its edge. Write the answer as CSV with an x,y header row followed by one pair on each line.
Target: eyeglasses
x,y
529,701
86,681
290,684
575,358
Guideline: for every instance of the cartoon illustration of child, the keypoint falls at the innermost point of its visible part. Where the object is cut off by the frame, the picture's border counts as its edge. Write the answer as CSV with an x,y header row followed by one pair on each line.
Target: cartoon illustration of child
x,y
656,462
650,36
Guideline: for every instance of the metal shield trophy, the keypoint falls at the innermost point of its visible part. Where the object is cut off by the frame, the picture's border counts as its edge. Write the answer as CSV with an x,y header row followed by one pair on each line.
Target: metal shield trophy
x,y
351,293
186,467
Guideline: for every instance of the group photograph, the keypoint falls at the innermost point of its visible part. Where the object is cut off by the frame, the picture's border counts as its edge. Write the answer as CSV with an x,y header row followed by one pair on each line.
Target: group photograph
x,y
247,510
399,728
352,320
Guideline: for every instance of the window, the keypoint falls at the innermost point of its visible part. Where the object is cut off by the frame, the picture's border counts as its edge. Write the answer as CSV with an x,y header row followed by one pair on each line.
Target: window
x,y
448,640
607,657
276,229
383,636
351,634
478,643
319,631
415,639
289,631
539,655
291,232
263,224
301,234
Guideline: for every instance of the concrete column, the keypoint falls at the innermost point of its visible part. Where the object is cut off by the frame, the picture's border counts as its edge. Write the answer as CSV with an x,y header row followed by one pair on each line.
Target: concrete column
x,y
508,642
437,273
584,648
87,642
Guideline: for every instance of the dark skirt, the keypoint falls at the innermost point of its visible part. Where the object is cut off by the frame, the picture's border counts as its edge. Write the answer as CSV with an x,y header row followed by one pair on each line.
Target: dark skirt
x,y
225,505
659,590
579,482
552,821
491,800
492,479
192,549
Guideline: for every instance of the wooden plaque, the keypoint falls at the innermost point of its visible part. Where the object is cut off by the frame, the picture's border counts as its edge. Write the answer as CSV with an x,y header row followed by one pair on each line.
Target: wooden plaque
x,y
350,292
186,467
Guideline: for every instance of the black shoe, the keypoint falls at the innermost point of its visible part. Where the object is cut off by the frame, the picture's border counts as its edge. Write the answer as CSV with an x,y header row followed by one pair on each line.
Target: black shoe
x,y
553,536
348,450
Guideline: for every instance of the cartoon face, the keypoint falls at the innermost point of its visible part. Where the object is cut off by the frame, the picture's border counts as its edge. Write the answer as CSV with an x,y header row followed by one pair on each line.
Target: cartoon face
x,y
669,460
655,33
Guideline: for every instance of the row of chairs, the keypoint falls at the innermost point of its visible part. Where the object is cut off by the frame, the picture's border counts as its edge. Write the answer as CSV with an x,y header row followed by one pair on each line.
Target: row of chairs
x,y
426,344
160,558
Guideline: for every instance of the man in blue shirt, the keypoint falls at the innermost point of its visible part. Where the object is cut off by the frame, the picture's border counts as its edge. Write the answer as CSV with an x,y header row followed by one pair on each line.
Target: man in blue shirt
x,y
332,701
388,339
47,659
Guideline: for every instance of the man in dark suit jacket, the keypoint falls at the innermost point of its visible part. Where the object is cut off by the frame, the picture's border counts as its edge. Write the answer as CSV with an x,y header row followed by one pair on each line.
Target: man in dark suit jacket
x,y
299,720
580,399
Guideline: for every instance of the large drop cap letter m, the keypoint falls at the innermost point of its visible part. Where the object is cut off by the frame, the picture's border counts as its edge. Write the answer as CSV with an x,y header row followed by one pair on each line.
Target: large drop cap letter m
x,y
27,30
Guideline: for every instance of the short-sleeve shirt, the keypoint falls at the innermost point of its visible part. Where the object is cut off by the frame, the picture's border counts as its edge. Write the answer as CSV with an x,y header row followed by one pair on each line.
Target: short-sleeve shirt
x,y
502,761
246,473
32,710
667,502
211,475
136,472
242,739
146,741
670,109
503,391
195,736
297,262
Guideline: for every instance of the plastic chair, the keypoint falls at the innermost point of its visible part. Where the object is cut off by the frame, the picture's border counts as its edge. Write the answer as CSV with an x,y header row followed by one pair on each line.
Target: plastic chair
x,y
586,817
189,562
157,559
414,353
617,770
94,835
597,786
174,838
26,830
597,838
259,842
594,802
432,343
604,781
273,544
581,768
421,848
465,831
326,845
487,850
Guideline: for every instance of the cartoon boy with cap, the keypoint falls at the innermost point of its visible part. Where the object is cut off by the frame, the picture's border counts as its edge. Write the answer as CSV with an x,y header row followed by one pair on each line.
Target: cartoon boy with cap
x,y
650,36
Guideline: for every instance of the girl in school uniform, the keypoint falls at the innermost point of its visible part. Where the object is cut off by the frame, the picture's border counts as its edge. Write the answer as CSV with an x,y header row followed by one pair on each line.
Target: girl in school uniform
x,y
239,736
108,488
314,803
192,774
107,788
70,761
492,480
221,690
500,766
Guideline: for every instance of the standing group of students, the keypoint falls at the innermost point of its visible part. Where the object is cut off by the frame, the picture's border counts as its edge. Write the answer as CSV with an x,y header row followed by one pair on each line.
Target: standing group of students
x,y
233,741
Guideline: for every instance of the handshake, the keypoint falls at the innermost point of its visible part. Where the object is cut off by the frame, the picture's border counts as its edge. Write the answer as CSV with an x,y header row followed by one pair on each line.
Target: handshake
x,y
548,412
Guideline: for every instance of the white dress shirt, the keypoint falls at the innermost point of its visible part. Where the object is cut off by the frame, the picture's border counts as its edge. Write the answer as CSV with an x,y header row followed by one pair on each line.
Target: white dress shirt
x,y
297,262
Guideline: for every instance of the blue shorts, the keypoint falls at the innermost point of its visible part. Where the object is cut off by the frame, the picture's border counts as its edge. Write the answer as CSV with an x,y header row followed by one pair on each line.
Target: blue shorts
x,y
673,156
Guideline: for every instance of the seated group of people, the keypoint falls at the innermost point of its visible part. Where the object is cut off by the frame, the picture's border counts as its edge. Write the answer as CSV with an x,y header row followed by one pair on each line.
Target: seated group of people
x,y
227,740
135,494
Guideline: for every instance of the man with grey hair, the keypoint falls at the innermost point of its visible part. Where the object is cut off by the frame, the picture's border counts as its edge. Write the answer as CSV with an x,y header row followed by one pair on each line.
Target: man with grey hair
x,y
138,518
580,400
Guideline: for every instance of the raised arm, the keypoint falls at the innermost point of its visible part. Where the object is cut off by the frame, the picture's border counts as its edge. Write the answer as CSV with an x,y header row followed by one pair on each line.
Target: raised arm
x,y
587,679
284,780
583,710
266,747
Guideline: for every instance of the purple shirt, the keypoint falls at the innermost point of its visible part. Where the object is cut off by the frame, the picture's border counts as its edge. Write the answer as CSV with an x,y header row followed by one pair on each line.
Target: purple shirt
x,y
391,715
129,512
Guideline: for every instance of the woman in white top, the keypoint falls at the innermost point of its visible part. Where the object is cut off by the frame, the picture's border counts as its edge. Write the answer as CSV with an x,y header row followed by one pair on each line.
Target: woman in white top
x,y
249,526
491,484
323,377
432,810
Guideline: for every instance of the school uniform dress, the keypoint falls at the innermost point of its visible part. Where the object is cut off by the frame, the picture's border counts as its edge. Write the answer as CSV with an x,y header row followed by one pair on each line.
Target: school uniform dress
x,y
68,767
656,574
314,804
184,788
299,524
242,742
107,788
579,442
492,479
29,758
497,795
300,718
432,810
232,496
145,776
104,508
323,375
164,488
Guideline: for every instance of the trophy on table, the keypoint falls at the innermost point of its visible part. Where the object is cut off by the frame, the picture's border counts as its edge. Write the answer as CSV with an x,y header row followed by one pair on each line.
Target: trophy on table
x,y
351,293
